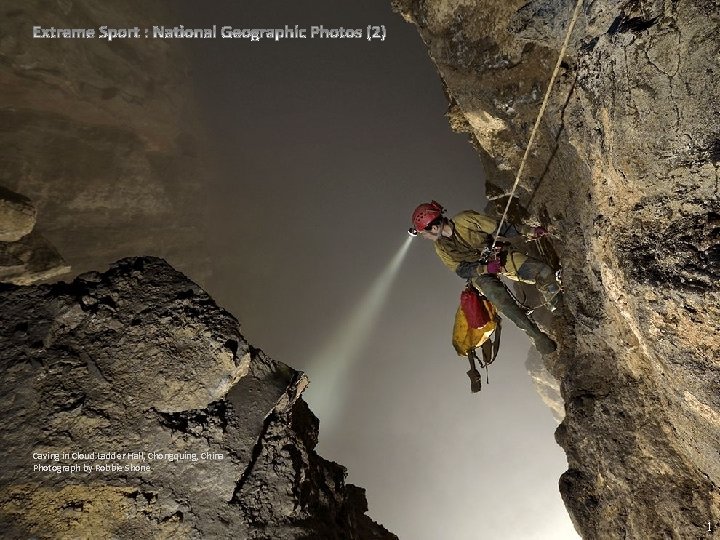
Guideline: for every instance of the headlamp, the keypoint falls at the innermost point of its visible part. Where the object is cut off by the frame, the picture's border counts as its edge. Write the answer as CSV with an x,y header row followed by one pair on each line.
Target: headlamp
x,y
412,231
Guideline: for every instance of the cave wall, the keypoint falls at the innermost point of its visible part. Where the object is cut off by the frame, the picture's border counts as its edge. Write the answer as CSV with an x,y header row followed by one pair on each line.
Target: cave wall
x,y
102,137
103,142
625,175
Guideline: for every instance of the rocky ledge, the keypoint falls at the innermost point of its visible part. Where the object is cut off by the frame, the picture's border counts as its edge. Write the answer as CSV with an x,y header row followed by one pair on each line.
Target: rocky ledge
x,y
132,407
25,255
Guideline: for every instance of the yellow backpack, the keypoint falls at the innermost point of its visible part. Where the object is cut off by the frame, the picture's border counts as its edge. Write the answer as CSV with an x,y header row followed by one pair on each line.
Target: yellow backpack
x,y
477,325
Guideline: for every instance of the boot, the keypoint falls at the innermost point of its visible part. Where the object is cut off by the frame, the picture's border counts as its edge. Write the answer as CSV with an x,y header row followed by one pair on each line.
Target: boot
x,y
554,304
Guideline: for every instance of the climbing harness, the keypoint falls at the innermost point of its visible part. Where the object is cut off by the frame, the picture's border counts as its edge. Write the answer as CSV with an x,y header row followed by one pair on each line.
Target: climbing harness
x,y
571,26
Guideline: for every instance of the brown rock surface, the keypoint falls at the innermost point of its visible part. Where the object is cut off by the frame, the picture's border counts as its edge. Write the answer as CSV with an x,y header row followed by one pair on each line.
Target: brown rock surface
x,y
625,172
102,136
141,360
29,260
17,216
547,386
25,255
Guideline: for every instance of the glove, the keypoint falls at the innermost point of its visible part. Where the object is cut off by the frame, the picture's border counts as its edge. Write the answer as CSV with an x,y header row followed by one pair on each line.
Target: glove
x,y
539,232
494,266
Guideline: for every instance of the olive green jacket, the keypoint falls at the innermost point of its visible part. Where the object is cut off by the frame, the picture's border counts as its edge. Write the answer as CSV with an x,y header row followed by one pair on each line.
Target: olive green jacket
x,y
471,233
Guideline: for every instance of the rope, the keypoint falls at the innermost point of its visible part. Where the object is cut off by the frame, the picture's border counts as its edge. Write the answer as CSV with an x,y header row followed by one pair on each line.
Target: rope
x,y
539,117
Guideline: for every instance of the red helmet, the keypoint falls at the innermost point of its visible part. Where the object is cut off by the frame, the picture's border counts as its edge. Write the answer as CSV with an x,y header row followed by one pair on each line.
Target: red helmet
x,y
425,214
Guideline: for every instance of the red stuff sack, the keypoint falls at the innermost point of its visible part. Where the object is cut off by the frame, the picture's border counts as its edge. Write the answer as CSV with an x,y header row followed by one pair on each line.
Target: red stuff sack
x,y
473,306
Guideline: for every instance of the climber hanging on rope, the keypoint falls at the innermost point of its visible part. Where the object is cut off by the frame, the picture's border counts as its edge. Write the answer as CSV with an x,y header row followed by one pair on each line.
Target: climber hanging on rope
x,y
470,246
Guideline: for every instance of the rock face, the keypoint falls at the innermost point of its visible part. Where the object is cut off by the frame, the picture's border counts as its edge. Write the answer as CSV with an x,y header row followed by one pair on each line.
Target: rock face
x,y
17,216
102,136
547,386
625,173
177,427
25,255
30,259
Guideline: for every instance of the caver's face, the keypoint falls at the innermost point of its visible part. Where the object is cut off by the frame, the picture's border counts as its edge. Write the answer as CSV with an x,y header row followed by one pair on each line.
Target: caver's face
x,y
433,234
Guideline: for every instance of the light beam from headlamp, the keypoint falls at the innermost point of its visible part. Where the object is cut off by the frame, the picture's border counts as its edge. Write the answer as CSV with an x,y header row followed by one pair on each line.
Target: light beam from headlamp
x,y
329,370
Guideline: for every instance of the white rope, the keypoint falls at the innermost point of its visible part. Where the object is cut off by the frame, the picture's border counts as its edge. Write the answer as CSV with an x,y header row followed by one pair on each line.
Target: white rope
x,y
539,117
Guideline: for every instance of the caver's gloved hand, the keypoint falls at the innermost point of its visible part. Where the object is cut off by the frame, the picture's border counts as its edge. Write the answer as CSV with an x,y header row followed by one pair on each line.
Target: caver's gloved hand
x,y
539,232
469,270
494,267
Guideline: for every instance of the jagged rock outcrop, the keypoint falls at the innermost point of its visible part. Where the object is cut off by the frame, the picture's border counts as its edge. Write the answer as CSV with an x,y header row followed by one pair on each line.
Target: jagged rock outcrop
x,y
102,136
17,216
547,386
107,371
25,255
625,172
29,260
